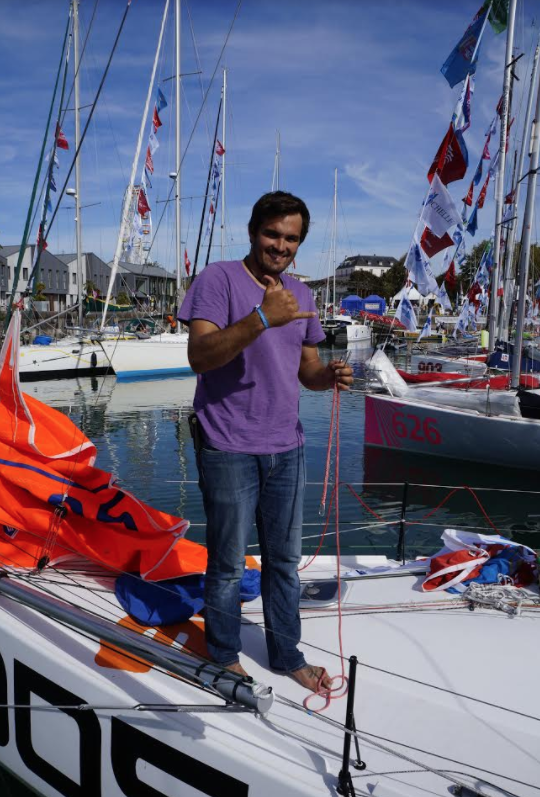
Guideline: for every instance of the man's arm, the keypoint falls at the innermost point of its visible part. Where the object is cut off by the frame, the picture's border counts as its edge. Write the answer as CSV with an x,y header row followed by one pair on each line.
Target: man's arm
x,y
210,347
314,375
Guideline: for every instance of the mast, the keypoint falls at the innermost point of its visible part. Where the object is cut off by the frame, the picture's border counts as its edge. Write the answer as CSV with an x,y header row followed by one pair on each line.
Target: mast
x,y
526,244
277,158
509,266
499,193
177,201
129,191
334,244
78,229
223,131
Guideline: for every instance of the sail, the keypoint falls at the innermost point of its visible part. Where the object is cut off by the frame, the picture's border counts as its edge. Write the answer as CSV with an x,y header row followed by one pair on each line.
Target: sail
x,y
54,502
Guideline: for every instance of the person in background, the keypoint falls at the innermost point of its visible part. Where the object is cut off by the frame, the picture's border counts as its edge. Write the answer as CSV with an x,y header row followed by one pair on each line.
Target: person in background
x,y
253,335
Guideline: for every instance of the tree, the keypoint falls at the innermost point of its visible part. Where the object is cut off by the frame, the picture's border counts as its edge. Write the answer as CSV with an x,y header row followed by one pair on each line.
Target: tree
x,y
364,283
468,268
39,296
394,279
122,298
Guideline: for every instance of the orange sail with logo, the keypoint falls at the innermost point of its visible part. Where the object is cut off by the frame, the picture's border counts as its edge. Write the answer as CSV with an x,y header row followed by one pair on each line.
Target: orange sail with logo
x,y
54,503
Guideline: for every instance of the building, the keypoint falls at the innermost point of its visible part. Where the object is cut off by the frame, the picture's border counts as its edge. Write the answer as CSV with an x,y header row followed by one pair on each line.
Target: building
x,y
377,265
53,273
151,285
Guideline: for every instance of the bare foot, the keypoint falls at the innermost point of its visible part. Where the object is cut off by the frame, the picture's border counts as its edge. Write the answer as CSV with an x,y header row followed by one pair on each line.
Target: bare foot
x,y
312,677
237,669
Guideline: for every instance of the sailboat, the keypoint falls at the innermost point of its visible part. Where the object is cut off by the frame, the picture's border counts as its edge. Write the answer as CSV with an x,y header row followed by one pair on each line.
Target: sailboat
x,y
340,328
100,696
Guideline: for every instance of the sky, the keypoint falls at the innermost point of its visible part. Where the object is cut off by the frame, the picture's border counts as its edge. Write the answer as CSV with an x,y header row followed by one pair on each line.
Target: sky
x,y
353,86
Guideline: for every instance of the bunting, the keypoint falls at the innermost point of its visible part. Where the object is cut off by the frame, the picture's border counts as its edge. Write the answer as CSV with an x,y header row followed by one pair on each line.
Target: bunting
x,y
187,262
460,62
141,221
452,158
426,329
405,313
215,178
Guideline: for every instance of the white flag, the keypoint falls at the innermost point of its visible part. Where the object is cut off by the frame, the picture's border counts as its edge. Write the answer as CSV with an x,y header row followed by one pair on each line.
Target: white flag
x,y
440,213
153,143
463,319
420,270
405,313
443,297
426,329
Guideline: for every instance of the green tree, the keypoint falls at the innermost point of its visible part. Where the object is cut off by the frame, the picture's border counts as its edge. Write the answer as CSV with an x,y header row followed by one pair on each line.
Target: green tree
x,y
364,283
122,298
394,279
468,268
39,295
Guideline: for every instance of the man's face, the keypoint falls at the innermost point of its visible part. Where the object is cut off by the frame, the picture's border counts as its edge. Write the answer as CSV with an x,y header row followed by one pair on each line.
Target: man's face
x,y
274,245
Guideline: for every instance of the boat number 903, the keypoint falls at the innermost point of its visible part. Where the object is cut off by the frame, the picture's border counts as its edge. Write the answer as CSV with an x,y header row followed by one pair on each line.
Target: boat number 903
x,y
415,428
424,367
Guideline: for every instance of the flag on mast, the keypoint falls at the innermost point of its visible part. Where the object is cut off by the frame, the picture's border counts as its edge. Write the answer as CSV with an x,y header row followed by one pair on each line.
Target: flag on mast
x,y
405,313
460,62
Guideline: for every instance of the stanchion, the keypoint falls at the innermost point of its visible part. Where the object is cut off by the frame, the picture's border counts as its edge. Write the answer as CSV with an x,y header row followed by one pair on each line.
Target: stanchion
x,y
345,784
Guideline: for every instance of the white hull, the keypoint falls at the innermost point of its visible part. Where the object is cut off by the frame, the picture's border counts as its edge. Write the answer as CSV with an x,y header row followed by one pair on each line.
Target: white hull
x,y
358,332
63,360
160,355
423,692
406,424
425,363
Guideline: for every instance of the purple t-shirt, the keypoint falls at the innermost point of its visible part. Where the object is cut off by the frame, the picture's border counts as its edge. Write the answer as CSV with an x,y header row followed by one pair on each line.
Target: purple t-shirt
x,y
250,405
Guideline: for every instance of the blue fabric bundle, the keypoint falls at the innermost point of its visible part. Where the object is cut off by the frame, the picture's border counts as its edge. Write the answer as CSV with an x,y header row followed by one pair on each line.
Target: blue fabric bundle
x,y
173,601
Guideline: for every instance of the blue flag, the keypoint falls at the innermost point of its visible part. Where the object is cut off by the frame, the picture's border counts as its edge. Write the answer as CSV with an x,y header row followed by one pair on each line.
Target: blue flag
x,y
161,102
405,313
459,63
472,224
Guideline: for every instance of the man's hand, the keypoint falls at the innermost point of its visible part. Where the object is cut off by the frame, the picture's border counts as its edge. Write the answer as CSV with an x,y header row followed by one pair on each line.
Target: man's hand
x,y
341,374
279,305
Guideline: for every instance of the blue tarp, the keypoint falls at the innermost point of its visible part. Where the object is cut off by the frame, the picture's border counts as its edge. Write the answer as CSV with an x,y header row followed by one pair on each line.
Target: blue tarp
x,y
352,304
371,304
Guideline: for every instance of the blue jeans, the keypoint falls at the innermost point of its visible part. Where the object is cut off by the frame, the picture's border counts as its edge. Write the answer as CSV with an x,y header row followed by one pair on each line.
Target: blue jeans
x,y
239,489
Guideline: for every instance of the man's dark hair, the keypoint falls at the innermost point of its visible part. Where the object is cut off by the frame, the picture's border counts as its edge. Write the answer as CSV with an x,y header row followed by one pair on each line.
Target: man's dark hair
x,y
278,203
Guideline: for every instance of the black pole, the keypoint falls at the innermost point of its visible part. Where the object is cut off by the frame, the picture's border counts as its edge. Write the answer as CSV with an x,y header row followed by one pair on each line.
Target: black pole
x,y
402,524
203,215
345,784
212,228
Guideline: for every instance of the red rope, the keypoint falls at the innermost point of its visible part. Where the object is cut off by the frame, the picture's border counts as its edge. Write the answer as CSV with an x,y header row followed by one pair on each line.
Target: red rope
x,y
331,693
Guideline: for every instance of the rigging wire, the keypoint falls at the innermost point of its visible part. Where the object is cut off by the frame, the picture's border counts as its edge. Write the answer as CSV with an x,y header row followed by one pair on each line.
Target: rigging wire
x,y
210,84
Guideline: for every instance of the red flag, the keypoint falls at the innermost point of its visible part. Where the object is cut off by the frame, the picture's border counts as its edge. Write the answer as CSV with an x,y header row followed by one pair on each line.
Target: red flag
x,y
149,163
509,198
142,204
156,120
187,262
450,276
451,160
469,197
61,140
482,194
220,149
431,244
486,154
40,242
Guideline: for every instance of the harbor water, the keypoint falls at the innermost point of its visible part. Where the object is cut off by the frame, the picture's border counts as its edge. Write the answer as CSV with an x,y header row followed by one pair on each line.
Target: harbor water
x,y
142,436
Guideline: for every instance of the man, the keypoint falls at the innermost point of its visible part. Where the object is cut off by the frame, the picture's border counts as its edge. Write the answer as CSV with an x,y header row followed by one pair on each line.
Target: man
x,y
253,334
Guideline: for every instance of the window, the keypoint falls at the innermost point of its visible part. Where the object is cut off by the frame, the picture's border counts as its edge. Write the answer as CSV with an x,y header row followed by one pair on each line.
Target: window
x,y
9,272
57,278
74,278
25,273
50,278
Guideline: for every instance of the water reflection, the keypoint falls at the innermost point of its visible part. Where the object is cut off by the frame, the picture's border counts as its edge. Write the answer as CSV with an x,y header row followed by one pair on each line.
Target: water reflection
x,y
141,433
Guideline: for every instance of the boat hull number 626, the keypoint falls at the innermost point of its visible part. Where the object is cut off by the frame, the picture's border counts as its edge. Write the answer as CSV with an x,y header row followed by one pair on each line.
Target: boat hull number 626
x,y
410,426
